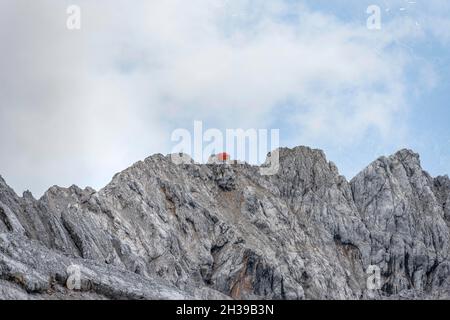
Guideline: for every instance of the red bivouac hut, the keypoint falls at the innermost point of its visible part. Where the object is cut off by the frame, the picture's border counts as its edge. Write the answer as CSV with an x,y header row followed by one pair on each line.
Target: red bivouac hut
x,y
223,157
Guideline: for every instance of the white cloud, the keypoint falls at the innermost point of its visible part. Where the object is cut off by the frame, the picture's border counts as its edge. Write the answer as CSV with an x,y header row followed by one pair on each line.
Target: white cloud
x,y
75,107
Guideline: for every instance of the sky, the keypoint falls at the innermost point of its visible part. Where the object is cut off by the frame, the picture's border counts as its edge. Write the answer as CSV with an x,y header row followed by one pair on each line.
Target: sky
x,y
78,106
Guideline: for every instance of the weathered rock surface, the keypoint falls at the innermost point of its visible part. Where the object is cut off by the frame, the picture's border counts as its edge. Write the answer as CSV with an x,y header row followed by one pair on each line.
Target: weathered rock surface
x,y
410,239
165,231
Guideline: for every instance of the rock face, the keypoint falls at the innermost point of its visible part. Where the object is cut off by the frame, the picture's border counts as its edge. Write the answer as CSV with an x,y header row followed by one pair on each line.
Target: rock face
x,y
404,210
162,230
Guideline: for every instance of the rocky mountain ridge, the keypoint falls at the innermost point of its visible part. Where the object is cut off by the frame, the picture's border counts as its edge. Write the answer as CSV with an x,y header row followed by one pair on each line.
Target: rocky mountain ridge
x,y
164,231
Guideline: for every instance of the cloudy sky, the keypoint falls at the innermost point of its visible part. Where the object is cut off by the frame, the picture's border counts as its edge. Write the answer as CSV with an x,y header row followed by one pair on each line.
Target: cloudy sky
x,y
77,106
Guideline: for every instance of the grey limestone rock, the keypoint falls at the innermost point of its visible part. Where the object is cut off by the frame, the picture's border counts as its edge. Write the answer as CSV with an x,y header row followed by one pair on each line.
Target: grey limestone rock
x,y
165,230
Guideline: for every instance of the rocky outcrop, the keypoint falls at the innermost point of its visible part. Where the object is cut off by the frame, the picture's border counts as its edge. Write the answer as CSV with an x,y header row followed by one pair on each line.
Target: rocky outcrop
x,y
409,235
162,230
